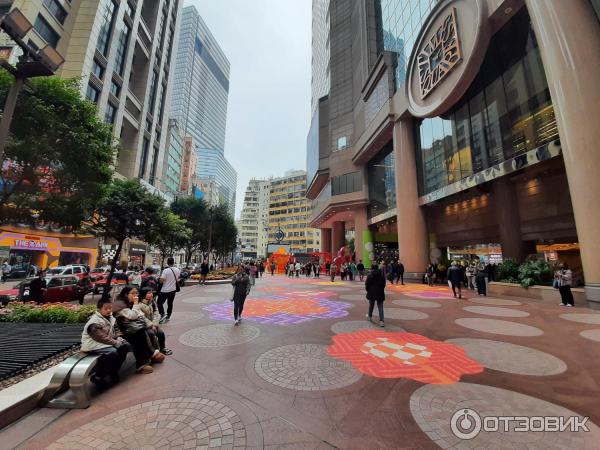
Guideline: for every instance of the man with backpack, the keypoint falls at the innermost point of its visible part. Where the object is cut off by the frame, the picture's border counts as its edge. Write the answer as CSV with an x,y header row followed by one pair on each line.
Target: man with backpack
x,y
169,279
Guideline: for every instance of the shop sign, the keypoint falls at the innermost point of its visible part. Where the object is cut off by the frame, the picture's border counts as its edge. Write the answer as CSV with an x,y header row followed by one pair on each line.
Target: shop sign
x,y
31,244
137,250
447,56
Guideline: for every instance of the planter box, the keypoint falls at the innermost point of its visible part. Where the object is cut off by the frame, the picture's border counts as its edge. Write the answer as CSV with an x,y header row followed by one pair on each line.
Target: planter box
x,y
545,294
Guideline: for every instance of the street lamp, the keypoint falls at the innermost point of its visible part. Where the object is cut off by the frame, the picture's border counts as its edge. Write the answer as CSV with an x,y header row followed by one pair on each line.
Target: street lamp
x,y
33,63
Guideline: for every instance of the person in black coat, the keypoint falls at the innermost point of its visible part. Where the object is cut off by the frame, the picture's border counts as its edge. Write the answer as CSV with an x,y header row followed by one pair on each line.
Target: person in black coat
x,y
375,286
455,278
241,289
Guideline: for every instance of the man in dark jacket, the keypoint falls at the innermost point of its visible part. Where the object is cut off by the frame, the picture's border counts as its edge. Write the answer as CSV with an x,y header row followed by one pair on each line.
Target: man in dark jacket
x,y
375,286
400,273
241,289
37,287
455,277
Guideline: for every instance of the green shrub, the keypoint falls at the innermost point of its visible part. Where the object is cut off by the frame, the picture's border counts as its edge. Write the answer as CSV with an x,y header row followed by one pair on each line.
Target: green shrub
x,y
48,313
535,272
508,271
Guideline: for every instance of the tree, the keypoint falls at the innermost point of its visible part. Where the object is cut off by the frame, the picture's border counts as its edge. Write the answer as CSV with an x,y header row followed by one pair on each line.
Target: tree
x,y
196,214
224,231
126,211
58,157
169,233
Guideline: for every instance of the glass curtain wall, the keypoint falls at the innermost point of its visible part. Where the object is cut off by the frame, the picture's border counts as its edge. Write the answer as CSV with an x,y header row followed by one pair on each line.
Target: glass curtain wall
x,y
381,172
507,111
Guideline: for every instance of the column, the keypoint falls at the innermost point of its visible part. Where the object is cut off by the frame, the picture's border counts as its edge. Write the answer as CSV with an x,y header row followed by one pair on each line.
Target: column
x,y
412,229
360,227
569,40
339,237
508,217
326,240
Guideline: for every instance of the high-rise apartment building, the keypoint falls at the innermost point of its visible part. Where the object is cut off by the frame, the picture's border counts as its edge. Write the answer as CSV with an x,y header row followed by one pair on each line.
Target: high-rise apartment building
x,y
122,51
479,144
200,95
321,76
290,211
253,227
212,165
209,191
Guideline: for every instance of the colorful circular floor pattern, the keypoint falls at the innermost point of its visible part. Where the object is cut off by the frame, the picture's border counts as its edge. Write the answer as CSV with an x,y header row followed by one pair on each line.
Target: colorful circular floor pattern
x,y
182,422
495,301
219,335
304,367
417,303
511,358
593,335
282,310
403,355
404,314
468,405
590,318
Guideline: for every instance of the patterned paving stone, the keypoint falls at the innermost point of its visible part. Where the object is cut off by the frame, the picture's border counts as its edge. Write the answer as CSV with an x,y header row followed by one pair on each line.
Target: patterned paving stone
x,y
404,314
182,422
351,326
495,326
495,301
417,303
219,335
433,408
495,311
591,318
593,335
511,358
304,367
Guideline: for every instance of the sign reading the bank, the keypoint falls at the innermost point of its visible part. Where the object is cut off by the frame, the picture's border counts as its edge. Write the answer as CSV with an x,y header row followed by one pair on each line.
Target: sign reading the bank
x,y
440,55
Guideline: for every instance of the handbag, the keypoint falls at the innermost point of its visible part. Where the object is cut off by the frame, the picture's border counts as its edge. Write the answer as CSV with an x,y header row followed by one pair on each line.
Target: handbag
x,y
177,288
132,327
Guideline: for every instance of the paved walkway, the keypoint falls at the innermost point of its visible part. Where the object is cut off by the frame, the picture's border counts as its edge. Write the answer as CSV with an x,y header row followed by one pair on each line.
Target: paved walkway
x,y
306,370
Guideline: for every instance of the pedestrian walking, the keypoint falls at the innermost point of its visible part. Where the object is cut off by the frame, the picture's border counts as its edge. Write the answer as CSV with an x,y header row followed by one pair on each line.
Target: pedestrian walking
x,y
261,269
455,277
480,280
169,279
375,287
327,268
241,289
272,268
298,268
565,280
353,271
253,272
37,287
361,270
203,272
430,274
6,268
317,270
470,273
400,273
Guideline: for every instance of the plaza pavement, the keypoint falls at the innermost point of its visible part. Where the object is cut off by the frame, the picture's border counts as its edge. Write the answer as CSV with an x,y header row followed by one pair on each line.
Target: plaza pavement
x,y
306,370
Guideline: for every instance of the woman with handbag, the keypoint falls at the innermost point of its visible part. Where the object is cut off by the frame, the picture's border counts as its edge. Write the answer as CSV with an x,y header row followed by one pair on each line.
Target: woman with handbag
x,y
241,289
134,330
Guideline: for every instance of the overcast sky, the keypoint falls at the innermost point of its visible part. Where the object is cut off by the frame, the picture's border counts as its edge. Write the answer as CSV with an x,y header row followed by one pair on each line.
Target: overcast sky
x,y
268,43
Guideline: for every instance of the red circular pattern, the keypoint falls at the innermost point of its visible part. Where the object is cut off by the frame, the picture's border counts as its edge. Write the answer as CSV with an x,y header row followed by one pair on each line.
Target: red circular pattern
x,y
403,355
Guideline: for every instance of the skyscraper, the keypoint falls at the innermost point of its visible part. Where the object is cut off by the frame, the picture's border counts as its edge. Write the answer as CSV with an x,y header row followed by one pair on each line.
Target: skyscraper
x,y
121,50
200,94
253,227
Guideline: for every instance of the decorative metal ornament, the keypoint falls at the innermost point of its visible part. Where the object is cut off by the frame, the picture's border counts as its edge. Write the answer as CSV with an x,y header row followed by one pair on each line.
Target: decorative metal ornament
x,y
440,55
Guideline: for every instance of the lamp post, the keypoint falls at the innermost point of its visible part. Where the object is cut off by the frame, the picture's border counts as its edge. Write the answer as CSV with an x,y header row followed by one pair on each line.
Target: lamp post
x,y
33,63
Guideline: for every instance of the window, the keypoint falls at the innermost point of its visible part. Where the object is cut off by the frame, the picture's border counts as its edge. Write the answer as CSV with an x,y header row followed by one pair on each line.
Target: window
x,y
92,93
153,88
342,143
46,31
108,15
345,184
97,70
59,13
115,89
111,112
144,158
122,48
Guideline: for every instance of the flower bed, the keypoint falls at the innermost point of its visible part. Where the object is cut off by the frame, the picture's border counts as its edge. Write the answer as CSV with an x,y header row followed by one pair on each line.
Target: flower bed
x,y
217,274
46,313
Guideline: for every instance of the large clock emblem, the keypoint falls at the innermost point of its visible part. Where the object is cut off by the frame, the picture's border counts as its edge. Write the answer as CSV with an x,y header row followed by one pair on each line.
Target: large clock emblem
x,y
440,55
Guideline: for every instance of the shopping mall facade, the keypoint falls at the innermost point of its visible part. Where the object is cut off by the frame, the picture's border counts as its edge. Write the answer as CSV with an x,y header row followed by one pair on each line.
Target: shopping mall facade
x,y
466,126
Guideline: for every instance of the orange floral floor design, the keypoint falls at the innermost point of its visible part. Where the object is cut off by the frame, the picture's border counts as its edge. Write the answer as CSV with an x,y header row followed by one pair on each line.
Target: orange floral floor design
x,y
421,290
403,355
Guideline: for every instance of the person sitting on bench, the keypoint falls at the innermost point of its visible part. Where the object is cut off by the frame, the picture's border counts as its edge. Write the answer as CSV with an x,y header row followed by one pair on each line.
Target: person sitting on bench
x,y
99,337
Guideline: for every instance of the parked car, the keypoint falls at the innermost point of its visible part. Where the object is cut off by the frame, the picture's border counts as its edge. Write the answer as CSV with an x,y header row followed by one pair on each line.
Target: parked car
x,y
58,289
73,269
18,271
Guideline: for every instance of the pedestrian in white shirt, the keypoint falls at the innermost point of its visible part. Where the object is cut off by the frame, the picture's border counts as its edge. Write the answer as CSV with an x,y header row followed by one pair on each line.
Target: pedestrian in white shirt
x,y
169,279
